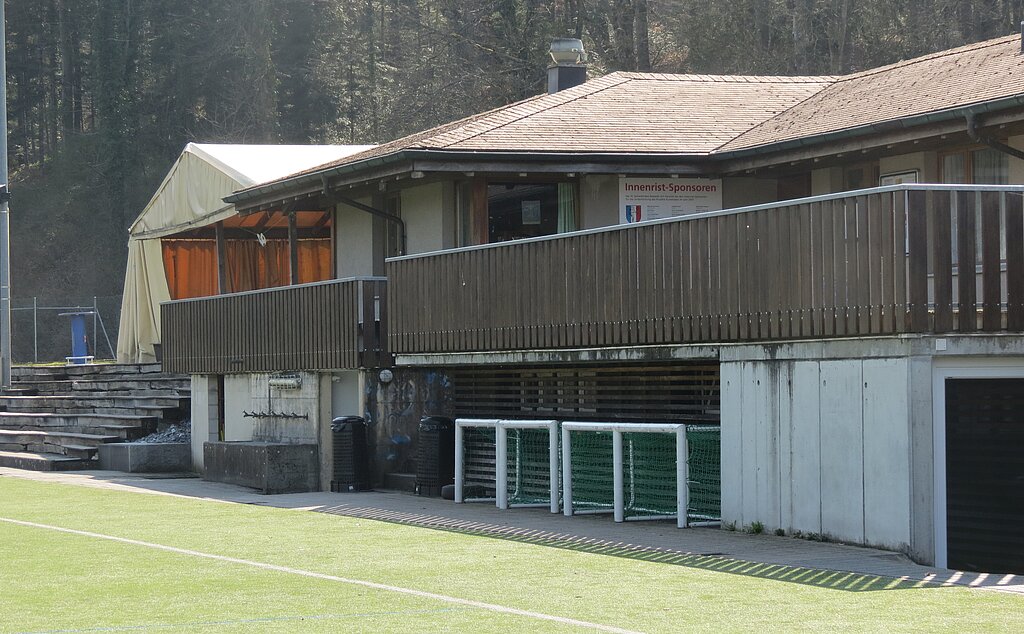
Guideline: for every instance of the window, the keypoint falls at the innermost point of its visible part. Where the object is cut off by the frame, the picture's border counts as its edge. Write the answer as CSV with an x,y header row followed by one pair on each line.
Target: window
x,y
529,210
981,166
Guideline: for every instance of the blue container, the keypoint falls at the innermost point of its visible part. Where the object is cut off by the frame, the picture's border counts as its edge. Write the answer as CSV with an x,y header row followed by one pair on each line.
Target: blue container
x,y
79,338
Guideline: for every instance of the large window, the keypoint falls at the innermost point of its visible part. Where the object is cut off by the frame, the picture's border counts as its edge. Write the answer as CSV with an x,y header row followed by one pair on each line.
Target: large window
x,y
982,166
529,210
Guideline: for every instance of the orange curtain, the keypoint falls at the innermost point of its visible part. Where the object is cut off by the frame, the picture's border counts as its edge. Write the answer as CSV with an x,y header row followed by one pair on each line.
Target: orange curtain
x,y
314,260
191,265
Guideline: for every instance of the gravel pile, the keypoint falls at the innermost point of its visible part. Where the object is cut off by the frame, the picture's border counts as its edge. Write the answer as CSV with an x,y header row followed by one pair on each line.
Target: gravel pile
x,y
174,433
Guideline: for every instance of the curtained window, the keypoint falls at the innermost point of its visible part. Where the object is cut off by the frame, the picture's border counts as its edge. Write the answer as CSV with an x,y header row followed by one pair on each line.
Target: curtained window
x,y
191,265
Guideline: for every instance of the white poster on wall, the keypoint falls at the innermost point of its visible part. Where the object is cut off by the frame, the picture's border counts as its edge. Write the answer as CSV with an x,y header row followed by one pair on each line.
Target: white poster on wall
x,y
654,198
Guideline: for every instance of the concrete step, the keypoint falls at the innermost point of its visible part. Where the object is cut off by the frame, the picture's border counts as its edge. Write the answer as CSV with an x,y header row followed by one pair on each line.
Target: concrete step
x,y
85,452
19,390
41,461
162,415
124,426
95,399
54,438
107,370
165,386
92,400
113,369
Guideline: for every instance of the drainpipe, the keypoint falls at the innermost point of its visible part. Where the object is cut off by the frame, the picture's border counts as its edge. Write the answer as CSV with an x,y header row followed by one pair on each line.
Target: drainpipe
x,y
333,197
977,137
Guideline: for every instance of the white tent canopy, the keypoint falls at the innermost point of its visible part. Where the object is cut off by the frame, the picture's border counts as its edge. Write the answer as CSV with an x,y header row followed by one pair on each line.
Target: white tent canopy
x,y
191,196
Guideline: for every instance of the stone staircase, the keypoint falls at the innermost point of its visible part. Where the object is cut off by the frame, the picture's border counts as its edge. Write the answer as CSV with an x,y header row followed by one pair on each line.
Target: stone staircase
x,y
54,418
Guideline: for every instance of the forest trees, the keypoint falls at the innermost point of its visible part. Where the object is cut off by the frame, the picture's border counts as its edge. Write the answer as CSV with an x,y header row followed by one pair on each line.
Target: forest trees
x,y
103,94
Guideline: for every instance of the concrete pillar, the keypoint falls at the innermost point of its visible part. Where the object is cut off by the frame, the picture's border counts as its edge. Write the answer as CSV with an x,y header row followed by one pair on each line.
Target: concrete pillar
x,y
204,415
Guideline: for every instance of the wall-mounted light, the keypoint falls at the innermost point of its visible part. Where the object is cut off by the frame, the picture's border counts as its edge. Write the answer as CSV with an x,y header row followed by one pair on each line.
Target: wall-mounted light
x,y
386,376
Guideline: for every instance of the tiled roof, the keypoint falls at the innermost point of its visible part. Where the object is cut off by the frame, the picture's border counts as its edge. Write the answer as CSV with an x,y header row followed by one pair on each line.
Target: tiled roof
x,y
955,78
620,112
708,115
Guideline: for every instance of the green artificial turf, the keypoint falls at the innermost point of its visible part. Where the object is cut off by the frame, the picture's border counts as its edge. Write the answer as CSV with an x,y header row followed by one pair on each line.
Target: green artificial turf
x,y
57,581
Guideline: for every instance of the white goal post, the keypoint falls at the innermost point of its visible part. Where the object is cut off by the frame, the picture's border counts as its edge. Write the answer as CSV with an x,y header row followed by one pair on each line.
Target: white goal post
x,y
618,484
501,459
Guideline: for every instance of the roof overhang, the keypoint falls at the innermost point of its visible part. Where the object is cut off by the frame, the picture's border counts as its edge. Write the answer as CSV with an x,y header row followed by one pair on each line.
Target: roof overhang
x,y
907,129
408,162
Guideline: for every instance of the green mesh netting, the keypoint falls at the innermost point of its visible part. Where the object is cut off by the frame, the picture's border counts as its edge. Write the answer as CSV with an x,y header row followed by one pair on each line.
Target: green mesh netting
x,y
529,466
478,463
592,470
705,472
649,474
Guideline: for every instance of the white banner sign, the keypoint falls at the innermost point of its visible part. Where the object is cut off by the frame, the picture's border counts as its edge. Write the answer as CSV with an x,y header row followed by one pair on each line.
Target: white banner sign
x,y
653,198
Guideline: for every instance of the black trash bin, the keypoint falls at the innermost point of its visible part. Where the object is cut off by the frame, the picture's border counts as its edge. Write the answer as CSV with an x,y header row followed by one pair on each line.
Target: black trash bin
x,y
351,464
435,463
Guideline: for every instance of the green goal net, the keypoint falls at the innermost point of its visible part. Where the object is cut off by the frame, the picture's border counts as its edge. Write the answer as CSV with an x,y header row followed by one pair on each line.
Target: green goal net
x,y
634,470
591,461
704,443
649,475
478,463
529,466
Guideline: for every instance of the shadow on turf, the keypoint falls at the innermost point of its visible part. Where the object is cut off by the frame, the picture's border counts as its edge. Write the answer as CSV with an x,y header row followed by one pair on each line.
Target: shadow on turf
x,y
831,579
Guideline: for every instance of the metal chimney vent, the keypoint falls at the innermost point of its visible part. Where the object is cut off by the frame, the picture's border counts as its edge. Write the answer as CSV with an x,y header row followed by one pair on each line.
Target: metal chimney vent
x,y
568,64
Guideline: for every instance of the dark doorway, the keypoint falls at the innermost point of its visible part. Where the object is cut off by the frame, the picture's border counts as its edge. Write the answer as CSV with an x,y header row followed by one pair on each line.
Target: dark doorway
x,y
985,475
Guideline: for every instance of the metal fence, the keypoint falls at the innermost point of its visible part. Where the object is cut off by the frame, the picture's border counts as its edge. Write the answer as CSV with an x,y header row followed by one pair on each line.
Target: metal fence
x,y
41,329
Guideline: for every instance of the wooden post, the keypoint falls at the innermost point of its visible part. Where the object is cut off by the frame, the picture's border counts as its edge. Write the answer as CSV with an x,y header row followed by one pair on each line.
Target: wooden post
x,y
478,212
293,247
222,270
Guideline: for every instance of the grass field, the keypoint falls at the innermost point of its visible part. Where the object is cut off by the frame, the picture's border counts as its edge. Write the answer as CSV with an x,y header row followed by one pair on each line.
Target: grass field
x,y
299,571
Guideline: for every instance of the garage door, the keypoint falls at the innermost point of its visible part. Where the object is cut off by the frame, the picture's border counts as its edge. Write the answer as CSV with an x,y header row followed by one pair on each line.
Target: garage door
x,y
985,474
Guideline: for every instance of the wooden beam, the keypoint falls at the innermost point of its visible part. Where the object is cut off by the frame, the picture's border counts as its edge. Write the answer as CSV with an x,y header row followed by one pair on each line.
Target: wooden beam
x,y
263,222
324,219
293,247
222,260
231,233
478,222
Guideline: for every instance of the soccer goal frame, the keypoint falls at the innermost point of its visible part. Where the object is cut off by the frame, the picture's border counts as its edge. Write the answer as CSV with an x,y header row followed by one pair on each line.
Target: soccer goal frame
x,y
461,425
501,462
618,478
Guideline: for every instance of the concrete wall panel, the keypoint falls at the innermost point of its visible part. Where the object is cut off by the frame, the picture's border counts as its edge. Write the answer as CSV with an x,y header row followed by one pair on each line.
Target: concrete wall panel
x,y
732,443
750,468
354,241
424,214
204,415
886,454
805,447
842,451
237,400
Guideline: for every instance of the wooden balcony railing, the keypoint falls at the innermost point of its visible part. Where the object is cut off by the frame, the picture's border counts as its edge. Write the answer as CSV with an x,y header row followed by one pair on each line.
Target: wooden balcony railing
x,y
326,325
873,262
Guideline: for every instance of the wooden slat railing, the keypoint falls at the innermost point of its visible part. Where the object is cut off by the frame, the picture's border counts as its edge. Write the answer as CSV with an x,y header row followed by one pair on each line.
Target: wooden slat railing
x,y
832,266
325,325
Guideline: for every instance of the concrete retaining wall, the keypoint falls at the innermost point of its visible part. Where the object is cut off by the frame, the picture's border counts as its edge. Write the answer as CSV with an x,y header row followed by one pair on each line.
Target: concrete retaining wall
x,y
836,438
146,457
268,467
